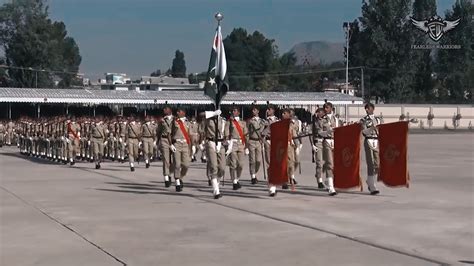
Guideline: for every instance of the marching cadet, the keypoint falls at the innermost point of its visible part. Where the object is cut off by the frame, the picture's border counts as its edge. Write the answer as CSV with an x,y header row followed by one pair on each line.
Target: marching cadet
x,y
180,146
164,135
111,140
98,135
329,122
10,130
201,126
133,141
64,144
121,133
2,133
369,131
236,132
148,133
215,152
254,144
73,138
318,145
297,124
194,132
85,149
271,118
286,114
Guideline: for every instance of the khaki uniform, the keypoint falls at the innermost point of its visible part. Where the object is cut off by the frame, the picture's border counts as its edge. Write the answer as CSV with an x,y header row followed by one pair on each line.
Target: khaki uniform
x,y
371,144
194,134
111,140
216,159
9,135
329,122
164,134
298,143
121,144
148,132
98,133
236,157
3,130
255,128
267,135
133,140
182,156
64,144
74,137
292,144
318,142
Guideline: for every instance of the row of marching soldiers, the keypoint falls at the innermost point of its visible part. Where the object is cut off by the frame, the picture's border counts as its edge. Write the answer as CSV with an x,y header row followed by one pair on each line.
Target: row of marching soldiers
x,y
176,140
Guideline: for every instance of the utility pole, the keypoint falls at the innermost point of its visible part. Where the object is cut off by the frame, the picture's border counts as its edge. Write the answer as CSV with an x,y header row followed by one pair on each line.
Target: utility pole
x,y
347,29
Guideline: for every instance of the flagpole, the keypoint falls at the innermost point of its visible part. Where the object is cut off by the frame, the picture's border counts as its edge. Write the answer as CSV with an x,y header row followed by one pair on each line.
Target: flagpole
x,y
218,16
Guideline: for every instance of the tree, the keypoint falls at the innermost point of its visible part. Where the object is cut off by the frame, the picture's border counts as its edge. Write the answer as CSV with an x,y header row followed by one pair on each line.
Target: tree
x,y
249,57
178,69
31,40
422,60
455,66
385,42
156,73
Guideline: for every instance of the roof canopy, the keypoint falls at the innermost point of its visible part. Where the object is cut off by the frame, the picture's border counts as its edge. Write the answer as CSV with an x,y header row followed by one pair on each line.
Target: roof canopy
x,y
89,96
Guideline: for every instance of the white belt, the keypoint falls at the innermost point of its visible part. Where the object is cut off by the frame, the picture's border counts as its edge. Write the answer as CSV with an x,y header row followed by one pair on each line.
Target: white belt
x,y
180,140
330,142
237,140
373,143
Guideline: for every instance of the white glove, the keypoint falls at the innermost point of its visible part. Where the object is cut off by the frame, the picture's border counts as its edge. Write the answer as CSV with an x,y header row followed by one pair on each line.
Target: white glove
x,y
219,146
246,151
62,138
155,143
105,143
201,146
229,148
297,150
115,139
300,146
120,140
68,141
89,142
140,143
210,114
173,148
315,149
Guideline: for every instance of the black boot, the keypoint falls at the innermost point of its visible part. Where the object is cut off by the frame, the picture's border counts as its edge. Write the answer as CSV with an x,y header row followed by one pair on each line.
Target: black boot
x,y
147,165
321,185
285,186
254,181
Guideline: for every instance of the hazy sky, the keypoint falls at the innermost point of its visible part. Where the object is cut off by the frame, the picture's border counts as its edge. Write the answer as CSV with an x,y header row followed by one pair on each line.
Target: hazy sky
x,y
138,36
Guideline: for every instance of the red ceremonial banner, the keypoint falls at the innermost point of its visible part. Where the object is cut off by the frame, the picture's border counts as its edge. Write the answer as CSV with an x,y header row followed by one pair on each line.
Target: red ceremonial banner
x,y
393,143
347,157
278,172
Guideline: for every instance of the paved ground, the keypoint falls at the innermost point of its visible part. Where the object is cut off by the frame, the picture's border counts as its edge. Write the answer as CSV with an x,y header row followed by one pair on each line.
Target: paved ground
x,y
60,215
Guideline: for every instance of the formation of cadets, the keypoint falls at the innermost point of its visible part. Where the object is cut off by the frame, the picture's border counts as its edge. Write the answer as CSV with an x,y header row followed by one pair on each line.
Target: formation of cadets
x,y
175,141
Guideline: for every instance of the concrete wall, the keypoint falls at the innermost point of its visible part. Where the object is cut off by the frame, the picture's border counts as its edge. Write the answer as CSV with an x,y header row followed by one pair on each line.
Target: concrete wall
x,y
391,113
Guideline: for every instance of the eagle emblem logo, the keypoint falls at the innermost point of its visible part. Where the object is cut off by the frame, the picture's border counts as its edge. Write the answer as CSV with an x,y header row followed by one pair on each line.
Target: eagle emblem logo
x,y
435,26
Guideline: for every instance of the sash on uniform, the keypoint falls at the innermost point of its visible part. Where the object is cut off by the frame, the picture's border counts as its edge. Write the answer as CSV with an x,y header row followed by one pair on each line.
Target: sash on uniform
x,y
347,157
278,171
239,129
70,131
393,142
183,130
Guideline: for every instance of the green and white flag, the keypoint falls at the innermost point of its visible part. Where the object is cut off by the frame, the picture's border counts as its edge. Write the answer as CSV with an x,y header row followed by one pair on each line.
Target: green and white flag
x,y
217,83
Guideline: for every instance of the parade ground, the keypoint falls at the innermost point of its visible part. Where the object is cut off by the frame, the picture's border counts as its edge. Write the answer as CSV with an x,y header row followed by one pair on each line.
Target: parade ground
x,y
53,214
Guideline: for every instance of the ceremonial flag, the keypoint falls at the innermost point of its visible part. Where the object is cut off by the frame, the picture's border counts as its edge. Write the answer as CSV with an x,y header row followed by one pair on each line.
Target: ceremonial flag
x,y
347,157
278,171
393,142
217,85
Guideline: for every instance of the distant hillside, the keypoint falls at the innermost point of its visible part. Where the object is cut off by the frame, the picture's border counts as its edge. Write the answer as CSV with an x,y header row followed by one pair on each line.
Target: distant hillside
x,y
318,52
